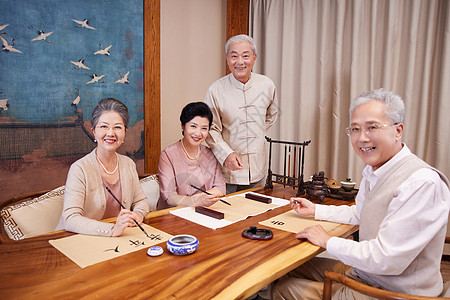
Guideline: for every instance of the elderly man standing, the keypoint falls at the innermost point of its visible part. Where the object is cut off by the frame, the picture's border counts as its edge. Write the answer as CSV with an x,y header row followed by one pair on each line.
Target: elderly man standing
x,y
244,106
402,208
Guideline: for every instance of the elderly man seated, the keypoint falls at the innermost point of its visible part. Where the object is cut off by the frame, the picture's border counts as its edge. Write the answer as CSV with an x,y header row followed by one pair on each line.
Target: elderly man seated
x,y
402,208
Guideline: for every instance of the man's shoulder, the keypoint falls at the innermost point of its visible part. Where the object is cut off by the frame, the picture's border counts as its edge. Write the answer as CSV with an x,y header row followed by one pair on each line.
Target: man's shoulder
x,y
428,174
225,80
262,81
261,77
426,170
417,171
221,82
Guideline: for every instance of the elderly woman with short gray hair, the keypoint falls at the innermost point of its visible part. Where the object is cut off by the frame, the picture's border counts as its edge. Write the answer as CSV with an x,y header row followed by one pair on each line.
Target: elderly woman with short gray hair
x,y
102,182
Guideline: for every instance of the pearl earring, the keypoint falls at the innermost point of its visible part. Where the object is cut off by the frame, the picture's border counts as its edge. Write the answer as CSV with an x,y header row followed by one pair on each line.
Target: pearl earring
x,y
95,141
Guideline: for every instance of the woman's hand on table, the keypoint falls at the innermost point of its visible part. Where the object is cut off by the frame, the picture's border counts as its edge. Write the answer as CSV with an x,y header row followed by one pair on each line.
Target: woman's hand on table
x,y
303,206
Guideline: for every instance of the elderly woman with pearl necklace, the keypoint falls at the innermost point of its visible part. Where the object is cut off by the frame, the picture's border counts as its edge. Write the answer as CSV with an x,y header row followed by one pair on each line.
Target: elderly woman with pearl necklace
x,y
187,164
102,182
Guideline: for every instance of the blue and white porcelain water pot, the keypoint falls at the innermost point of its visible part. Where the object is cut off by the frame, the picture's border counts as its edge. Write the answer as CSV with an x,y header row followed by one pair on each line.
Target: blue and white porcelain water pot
x,y
183,244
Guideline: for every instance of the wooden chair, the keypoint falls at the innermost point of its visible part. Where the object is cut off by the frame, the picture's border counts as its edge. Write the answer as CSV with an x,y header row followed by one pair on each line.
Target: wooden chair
x,y
365,289
375,292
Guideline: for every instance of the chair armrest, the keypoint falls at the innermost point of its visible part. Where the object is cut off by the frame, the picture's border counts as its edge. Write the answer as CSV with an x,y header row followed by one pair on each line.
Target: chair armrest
x,y
363,289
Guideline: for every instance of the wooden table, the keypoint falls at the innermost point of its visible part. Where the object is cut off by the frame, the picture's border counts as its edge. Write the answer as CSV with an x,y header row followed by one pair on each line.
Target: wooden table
x,y
226,265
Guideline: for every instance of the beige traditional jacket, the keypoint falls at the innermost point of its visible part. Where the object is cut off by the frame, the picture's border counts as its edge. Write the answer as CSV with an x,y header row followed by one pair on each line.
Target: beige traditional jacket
x,y
242,114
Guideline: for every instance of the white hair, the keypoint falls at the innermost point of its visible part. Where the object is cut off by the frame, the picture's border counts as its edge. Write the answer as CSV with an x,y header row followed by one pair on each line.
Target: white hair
x,y
395,107
240,38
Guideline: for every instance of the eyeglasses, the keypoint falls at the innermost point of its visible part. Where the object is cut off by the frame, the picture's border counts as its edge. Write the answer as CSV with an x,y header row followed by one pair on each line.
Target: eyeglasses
x,y
369,129
115,128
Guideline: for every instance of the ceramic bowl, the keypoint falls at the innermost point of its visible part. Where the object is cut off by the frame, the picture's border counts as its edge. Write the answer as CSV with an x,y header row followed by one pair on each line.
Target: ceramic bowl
x,y
348,185
335,187
182,244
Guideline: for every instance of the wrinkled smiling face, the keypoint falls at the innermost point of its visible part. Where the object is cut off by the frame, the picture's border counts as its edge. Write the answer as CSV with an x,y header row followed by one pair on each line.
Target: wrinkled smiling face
x,y
240,60
196,131
109,131
376,148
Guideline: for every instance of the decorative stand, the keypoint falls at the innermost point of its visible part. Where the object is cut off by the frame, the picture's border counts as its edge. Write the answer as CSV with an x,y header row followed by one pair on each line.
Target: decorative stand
x,y
289,175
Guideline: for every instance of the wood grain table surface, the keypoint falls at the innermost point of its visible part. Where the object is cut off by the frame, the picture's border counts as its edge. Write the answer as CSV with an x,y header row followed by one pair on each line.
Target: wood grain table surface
x,y
225,266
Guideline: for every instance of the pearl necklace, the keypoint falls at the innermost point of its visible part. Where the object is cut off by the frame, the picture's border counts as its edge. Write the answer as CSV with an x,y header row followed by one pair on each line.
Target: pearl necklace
x,y
187,154
110,173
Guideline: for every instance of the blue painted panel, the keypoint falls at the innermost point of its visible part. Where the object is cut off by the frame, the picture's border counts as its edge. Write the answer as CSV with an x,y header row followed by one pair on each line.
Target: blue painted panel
x,y
40,83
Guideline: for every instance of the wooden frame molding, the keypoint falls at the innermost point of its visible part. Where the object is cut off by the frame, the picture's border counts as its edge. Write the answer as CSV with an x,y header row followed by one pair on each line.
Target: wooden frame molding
x,y
236,22
237,19
152,85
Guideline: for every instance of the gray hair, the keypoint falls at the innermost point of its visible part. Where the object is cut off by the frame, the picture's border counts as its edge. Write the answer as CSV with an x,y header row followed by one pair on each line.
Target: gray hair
x,y
110,104
240,38
395,107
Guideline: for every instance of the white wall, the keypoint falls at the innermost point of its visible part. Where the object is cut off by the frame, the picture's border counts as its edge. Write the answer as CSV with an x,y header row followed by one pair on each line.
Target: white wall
x,y
192,57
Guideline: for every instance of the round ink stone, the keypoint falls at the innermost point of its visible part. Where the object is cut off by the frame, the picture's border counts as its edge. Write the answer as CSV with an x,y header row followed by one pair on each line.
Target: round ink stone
x,y
155,251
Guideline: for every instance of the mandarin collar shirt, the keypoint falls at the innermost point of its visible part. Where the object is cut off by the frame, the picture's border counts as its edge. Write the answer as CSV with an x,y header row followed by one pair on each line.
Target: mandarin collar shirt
x,y
242,115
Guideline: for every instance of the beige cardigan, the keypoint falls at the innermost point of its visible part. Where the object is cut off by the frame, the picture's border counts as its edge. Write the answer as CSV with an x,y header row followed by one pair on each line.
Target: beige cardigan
x,y
84,197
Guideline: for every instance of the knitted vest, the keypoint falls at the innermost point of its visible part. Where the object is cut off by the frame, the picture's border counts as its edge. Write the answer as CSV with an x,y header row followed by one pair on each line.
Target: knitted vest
x,y
422,276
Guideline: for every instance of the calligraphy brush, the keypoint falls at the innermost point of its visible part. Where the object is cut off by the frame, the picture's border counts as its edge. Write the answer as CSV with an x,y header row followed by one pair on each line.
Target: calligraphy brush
x,y
143,230
295,155
289,165
208,193
284,174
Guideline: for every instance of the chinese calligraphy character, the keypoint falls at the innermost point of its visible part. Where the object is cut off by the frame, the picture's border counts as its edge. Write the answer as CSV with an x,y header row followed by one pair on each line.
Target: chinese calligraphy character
x,y
137,243
155,237
115,250
278,223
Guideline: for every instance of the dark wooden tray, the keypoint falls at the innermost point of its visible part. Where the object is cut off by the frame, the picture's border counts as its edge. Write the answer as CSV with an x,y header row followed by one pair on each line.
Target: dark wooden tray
x,y
343,195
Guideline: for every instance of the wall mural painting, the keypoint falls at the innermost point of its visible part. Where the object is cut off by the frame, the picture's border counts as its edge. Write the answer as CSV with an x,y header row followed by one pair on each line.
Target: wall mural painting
x,y
58,59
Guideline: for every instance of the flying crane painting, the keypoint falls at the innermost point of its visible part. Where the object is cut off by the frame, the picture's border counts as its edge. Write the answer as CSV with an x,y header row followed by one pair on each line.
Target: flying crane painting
x,y
58,59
